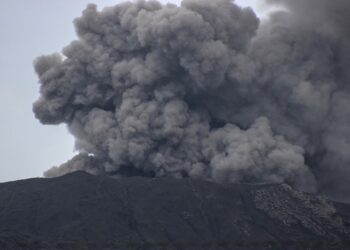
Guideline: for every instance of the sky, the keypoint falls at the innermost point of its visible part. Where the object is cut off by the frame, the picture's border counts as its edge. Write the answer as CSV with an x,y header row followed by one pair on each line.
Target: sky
x,y
29,29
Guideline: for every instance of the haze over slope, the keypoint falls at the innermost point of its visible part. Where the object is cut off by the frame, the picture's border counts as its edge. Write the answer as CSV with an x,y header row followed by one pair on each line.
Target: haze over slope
x,y
206,90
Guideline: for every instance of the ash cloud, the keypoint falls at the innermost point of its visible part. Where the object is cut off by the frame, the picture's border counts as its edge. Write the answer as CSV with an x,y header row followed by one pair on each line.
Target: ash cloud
x,y
206,90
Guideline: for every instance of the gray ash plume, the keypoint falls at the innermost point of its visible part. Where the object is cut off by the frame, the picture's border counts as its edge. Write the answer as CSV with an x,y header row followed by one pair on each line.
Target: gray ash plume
x,y
206,90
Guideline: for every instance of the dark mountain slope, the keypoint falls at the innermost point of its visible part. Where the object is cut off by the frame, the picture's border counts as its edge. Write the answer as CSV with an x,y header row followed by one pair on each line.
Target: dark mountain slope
x,y
81,211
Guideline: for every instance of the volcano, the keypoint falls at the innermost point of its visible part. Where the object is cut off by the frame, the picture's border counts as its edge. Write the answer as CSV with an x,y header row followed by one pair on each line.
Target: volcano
x,y
83,211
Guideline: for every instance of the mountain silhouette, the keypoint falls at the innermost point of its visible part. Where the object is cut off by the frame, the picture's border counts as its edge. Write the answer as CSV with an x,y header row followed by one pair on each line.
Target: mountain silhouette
x,y
82,211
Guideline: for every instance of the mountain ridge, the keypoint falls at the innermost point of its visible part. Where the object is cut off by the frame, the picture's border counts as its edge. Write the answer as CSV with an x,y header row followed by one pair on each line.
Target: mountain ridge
x,y
82,211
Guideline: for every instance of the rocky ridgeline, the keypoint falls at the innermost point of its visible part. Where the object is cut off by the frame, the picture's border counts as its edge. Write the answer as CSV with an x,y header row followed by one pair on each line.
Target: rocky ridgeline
x,y
291,207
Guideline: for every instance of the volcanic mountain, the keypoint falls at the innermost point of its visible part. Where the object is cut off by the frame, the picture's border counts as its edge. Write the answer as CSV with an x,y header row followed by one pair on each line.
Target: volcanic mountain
x,y
83,211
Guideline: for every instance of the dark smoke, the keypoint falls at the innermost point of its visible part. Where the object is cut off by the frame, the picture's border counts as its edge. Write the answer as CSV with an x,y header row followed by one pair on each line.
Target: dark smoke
x,y
206,90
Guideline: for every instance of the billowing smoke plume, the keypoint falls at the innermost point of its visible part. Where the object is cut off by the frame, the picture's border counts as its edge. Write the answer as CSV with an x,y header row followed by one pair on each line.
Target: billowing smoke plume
x,y
206,90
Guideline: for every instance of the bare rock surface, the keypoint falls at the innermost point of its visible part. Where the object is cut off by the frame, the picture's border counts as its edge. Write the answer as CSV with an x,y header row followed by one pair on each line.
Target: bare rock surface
x,y
82,211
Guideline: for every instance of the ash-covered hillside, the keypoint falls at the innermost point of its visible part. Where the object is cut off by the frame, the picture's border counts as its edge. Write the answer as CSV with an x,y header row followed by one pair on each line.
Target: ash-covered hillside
x,y
82,211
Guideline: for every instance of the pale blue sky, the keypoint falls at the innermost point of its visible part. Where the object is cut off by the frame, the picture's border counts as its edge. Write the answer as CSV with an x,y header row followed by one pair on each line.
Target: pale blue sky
x,y
29,29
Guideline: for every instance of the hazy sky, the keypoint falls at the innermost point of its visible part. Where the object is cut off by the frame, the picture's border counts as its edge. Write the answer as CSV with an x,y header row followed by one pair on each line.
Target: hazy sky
x,y
29,29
